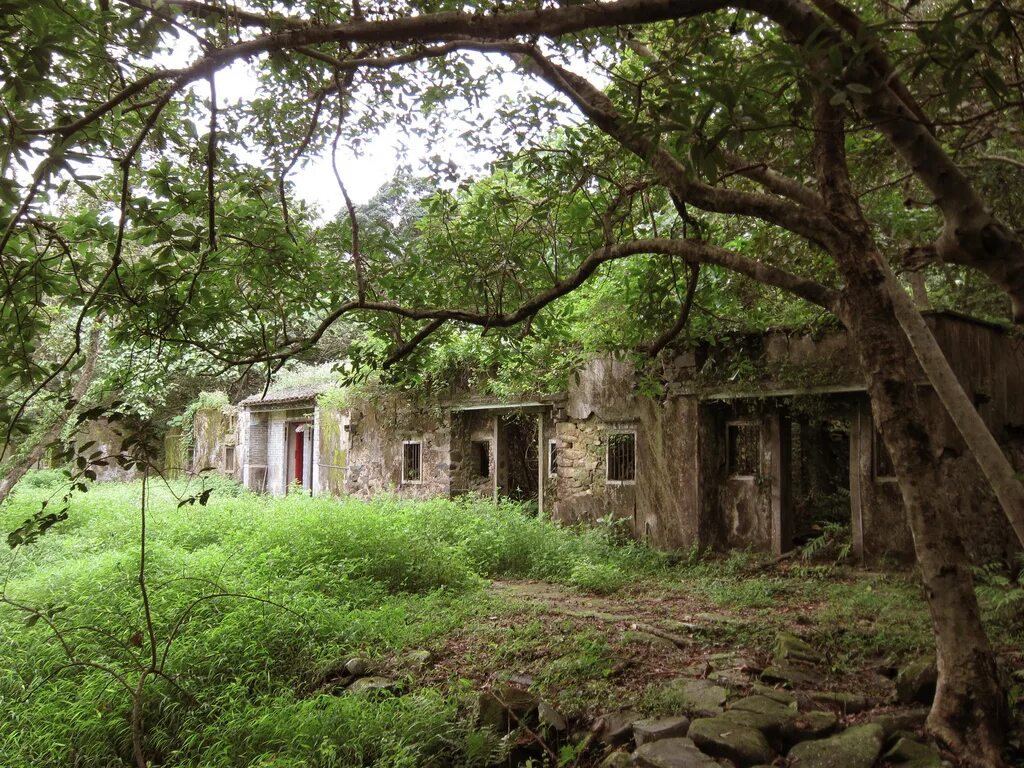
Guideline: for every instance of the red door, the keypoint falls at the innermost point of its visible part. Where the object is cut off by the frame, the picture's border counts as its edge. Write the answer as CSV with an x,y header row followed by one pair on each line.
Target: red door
x,y
299,443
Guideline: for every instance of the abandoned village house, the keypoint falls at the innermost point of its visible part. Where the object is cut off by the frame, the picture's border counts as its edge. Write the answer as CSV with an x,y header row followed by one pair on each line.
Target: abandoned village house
x,y
747,445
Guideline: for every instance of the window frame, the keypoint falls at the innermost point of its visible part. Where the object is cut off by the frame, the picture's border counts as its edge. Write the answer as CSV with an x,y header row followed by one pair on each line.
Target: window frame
x,y
759,452
616,432
552,457
419,456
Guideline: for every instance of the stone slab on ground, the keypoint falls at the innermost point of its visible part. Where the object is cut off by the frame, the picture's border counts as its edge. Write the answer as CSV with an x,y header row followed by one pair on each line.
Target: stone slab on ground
x,y
777,694
789,646
792,674
672,753
370,684
551,718
771,726
658,728
698,697
809,725
856,747
357,666
639,637
765,705
503,708
908,753
847,703
901,720
619,759
916,682
618,726
722,737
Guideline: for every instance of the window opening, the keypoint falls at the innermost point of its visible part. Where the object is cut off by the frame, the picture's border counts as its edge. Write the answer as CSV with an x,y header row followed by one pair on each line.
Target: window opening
x,y
744,448
552,458
622,457
412,466
482,457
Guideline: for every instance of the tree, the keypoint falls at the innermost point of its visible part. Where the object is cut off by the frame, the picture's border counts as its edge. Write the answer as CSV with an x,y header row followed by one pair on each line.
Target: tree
x,y
771,116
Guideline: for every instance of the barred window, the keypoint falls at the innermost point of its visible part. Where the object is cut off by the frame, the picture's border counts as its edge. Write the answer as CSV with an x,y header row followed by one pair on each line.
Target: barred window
x,y
412,458
482,457
552,458
744,448
622,457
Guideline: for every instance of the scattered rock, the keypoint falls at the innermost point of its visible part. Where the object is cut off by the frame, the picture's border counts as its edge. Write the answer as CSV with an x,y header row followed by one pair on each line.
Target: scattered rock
x,y
856,747
722,737
901,720
635,637
618,726
770,725
915,683
357,667
774,693
809,725
764,705
912,754
551,718
505,707
656,729
847,703
370,684
792,674
419,659
698,697
672,753
723,661
790,647
617,759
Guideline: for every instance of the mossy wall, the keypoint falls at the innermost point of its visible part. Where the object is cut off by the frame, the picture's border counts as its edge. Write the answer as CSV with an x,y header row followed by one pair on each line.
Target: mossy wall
x,y
333,450
215,444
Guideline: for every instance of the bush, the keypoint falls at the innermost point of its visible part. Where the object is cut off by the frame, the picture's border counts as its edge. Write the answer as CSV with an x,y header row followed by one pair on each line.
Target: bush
x,y
44,479
314,581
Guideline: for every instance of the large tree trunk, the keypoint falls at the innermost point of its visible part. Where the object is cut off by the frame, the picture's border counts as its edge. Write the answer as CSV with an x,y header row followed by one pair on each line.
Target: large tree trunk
x,y
22,464
976,434
969,712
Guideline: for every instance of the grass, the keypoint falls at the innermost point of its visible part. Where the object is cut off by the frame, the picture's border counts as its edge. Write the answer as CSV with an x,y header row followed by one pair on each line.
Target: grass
x,y
307,582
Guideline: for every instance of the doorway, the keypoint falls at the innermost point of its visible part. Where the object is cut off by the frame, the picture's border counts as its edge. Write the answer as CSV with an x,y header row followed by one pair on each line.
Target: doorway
x,y
518,467
299,455
819,475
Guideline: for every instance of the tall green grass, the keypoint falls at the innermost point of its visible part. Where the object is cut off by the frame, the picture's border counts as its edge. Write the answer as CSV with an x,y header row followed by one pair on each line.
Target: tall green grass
x,y
308,582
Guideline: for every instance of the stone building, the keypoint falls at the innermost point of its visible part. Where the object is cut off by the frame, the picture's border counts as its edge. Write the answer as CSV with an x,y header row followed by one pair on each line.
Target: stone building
x,y
752,442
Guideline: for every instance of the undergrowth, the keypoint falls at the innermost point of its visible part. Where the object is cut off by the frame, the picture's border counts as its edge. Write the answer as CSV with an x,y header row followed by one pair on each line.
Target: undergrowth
x,y
306,583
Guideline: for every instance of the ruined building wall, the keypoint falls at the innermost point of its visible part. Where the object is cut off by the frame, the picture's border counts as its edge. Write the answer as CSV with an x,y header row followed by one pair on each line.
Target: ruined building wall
x,y
661,504
331,430
378,430
216,442
468,429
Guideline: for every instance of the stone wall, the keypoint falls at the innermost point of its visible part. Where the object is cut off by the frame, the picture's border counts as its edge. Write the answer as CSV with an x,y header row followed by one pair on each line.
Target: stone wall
x,y
470,428
216,442
378,431
107,438
332,450
661,504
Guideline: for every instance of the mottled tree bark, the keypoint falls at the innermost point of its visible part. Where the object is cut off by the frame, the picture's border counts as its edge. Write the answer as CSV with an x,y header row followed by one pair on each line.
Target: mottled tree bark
x,y
969,713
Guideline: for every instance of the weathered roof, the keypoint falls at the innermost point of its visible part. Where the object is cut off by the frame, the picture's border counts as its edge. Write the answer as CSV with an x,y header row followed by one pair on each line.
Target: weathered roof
x,y
285,396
